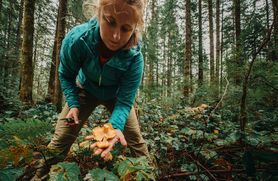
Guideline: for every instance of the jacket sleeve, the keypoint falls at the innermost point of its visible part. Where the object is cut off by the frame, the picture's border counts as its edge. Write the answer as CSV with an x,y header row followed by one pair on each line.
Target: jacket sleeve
x,y
129,85
69,67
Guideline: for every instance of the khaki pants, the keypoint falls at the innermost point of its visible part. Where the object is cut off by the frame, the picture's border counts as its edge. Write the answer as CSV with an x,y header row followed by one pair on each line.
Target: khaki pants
x,y
64,136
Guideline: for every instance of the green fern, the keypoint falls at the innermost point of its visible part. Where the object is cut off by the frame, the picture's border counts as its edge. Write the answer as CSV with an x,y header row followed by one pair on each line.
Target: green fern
x,y
27,131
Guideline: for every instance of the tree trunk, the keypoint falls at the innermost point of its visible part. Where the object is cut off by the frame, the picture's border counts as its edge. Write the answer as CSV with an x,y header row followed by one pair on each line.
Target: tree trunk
x,y
211,40
237,22
269,46
51,82
151,62
243,117
26,84
157,73
1,14
39,83
275,31
200,51
1,7
221,50
188,49
238,61
3,54
169,65
19,41
217,43
8,52
164,67
2,44
60,35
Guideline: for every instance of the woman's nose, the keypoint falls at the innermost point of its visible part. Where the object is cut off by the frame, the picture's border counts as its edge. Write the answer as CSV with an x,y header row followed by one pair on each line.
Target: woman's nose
x,y
116,35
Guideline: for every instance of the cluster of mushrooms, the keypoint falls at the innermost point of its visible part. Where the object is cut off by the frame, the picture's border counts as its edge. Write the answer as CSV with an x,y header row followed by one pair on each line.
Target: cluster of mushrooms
x,y
102,136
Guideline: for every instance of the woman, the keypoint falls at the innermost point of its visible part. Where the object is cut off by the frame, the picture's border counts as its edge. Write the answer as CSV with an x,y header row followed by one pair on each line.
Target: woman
x,y
101,63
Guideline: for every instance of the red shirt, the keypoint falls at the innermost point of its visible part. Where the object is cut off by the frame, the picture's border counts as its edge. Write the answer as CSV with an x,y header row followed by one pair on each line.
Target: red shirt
x,y
104,53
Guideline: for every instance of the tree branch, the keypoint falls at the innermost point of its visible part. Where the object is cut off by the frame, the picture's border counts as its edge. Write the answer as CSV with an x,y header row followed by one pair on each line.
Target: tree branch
x,y
222,97
243,113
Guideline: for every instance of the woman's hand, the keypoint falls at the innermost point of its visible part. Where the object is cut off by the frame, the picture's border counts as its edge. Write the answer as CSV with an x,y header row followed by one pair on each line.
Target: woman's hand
x,y
73,114
119,137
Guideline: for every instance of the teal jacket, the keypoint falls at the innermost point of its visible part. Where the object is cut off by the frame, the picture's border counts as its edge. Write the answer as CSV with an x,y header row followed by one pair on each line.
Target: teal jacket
x,y
118,79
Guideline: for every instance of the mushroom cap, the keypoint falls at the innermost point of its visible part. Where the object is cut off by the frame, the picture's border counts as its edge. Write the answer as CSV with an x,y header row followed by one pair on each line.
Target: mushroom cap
x,y
110,132
103,144
98,133
107,132
204,106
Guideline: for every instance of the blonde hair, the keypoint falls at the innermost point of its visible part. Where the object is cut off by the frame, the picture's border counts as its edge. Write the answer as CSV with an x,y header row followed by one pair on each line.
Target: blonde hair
x,y
91,8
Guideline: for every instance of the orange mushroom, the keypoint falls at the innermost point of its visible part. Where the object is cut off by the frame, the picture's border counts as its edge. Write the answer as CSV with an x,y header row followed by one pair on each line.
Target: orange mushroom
x,y
108,157
103,135
99,133
103,144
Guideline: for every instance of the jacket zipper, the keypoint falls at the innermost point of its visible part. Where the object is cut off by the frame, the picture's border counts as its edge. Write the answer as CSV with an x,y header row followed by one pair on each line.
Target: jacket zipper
x,y
99,80
100,75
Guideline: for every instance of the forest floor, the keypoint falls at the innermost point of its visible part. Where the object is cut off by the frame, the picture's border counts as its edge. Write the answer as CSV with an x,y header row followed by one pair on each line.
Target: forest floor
x,y
185,143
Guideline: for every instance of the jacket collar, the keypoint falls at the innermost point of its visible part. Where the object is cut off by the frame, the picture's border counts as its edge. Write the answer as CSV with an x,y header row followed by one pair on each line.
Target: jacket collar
x,y
121,60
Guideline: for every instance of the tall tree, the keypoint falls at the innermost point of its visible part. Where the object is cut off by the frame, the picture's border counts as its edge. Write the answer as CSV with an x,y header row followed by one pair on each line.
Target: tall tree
x,y
62,12
18,37
211,40
7,54
200,50
268,56
237,41
169,30
0,7
275,32
221,47
51,81
217,42
9,41
169,62
188,49
26,84
151,58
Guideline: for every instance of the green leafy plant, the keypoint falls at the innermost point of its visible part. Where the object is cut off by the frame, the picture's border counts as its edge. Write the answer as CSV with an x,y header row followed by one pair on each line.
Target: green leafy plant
x,y
65,171
134,169
98,174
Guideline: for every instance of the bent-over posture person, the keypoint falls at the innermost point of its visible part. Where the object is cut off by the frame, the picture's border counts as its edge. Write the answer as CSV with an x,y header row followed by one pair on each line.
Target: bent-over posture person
x,y
101,63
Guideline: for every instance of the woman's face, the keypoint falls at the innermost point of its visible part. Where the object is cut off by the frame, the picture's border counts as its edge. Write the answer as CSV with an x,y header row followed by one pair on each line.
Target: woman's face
x,y
117,24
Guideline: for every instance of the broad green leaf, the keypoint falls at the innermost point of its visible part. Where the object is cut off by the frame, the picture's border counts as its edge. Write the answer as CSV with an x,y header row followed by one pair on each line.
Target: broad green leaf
x,y
98,174
204,177
140,176
131,167
124,167
188,131
157,138
209,154
11,174
184,167
65,171
235,136
220,142
188,167
253,141
274,149
193,177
